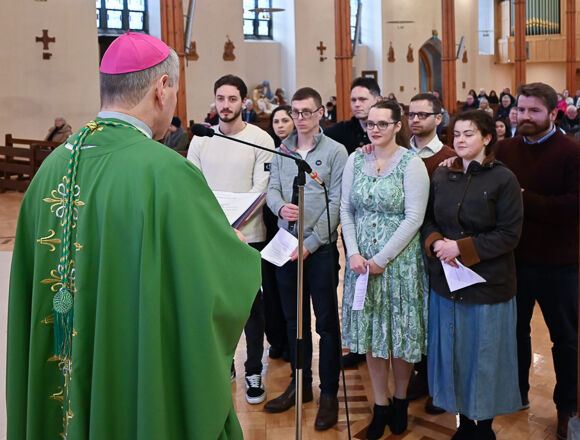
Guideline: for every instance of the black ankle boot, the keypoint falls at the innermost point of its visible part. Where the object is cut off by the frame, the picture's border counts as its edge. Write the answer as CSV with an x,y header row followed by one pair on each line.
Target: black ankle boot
x,y
483,430
466,430
398,423
381,418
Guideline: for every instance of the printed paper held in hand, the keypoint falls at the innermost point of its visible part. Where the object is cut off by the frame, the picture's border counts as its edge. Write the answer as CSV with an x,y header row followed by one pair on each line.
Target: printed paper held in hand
x,y
360,290
280,247
458,278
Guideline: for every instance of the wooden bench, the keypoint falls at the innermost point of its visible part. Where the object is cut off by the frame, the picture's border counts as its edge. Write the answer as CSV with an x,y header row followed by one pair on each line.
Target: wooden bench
x,y
20,160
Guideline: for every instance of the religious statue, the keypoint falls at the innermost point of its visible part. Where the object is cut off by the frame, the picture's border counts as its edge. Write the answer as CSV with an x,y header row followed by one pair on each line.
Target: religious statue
x,y
192,55
260,98
391,57
229,50
410,54
464,58
434,34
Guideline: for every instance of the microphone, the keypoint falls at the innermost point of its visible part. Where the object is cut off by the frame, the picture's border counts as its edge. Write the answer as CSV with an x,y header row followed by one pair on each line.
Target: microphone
x,y
201,130
313,174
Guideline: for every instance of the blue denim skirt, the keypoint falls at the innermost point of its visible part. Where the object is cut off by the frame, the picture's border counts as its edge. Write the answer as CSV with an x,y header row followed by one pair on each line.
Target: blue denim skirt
x,y
472,357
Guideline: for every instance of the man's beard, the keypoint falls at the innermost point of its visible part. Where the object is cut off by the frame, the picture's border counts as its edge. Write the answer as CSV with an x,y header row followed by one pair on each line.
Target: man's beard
x,y
230,119
529,128
420,131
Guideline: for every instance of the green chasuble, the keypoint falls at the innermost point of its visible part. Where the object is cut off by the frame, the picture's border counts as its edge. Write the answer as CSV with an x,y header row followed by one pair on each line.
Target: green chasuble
x,y
162,289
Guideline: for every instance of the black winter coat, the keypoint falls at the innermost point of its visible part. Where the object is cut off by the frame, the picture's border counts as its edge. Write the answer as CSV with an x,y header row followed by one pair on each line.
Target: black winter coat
x,y
482,210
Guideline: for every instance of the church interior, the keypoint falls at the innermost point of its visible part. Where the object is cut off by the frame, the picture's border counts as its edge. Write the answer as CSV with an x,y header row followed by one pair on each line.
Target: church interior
x,y
50,52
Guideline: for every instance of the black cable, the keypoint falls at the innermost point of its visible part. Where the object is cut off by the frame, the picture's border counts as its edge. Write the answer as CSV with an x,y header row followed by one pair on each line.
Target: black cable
x,y
334,280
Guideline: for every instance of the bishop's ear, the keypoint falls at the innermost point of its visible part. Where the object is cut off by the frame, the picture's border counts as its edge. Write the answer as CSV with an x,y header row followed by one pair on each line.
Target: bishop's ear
x,y
161,86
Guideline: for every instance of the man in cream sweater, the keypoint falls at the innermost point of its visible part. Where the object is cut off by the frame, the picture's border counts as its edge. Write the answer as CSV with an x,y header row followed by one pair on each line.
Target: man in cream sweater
x,y
234,167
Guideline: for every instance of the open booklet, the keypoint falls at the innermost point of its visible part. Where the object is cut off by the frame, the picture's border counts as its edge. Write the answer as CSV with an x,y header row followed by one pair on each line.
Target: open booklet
x,y
238,206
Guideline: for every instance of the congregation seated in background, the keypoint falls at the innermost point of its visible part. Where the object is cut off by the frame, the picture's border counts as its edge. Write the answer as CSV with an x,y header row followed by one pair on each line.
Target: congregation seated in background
x,y
176,138
60,131
570,123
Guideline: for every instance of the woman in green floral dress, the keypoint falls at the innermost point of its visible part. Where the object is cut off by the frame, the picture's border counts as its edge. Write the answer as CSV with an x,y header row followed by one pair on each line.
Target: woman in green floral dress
x,y
384,196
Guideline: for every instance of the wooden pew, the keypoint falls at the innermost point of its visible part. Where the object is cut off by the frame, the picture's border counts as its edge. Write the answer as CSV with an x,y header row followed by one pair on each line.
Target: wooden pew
x,y
19,161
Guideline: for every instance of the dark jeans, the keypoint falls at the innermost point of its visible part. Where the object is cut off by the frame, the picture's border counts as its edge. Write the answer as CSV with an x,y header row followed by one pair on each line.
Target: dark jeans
x,y
275,321
318,285
556,290
254,330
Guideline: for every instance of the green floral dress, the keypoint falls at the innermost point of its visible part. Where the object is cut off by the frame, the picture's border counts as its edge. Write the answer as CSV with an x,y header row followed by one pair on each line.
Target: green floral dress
x,y
394,317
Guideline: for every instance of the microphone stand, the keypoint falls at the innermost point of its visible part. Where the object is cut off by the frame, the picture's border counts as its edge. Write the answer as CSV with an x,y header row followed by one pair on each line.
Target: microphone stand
x,y
299,361
303,168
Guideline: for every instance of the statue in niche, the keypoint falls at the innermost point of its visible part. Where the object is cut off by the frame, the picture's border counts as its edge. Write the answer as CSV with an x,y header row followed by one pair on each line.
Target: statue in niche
x,y
391,53
410,54
229,50
192,55
464,58
260,99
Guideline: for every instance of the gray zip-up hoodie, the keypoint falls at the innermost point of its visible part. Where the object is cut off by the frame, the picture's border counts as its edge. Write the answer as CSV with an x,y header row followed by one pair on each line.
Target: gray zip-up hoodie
x,y
327,158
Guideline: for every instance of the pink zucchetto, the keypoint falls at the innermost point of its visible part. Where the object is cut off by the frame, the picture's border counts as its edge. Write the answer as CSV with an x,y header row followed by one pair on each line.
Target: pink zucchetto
x,y
132,52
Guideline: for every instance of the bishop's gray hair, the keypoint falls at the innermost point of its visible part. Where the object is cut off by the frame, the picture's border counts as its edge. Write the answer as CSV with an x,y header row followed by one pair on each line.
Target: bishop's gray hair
x,y
130,88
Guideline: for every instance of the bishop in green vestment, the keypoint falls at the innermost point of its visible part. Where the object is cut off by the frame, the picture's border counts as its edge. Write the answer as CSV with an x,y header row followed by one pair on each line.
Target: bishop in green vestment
x,y
161,286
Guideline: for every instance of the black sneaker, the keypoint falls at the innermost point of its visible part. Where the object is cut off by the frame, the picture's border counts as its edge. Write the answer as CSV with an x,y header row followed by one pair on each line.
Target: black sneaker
x,y
255,392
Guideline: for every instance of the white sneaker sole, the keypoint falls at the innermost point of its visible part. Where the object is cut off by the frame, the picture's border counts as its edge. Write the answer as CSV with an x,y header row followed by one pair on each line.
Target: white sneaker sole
x,y
256,400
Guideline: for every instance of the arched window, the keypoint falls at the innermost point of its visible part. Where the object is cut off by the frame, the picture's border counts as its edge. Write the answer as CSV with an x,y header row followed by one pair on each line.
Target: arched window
x,y
257,25
115,17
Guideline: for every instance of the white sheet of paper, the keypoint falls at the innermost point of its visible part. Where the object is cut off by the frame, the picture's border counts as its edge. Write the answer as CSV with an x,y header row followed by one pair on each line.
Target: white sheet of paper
x,y
280,247
235,204
360,290
458,278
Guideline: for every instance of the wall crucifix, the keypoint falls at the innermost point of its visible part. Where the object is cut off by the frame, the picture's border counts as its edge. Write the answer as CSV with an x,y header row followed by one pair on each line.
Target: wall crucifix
x,y
321,47
45,39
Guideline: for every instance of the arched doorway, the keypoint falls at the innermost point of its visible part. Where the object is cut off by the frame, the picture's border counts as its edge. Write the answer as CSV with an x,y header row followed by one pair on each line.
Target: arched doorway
x,y
430,66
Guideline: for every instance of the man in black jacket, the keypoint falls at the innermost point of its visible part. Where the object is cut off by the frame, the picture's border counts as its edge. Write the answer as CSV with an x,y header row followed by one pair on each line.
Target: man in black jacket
x,y
364,92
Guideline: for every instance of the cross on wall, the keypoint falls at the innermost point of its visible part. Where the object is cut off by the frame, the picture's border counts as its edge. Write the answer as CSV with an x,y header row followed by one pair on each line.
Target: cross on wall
x,y
45,40
321,47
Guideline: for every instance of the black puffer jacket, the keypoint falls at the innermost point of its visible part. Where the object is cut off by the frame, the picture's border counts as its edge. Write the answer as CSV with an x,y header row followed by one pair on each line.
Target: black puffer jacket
x,y
482,210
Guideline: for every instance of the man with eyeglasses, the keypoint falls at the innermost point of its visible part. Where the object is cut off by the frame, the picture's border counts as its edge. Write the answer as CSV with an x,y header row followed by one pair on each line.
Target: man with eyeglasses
x,y
364,92
327,158
424,117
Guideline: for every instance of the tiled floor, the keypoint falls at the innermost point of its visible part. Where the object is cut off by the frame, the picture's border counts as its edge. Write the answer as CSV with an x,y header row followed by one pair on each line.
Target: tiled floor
x,y
536,423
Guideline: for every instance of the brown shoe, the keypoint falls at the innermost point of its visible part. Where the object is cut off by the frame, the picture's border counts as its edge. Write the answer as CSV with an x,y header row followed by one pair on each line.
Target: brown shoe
x,y
327,413
287,399
563,419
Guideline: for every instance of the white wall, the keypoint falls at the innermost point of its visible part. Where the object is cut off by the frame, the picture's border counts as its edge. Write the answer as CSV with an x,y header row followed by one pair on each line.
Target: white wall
x,y
314,23
426,16
33,90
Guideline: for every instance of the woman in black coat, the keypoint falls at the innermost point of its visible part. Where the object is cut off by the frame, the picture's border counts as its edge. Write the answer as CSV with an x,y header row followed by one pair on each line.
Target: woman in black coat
x,y
474,218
